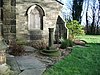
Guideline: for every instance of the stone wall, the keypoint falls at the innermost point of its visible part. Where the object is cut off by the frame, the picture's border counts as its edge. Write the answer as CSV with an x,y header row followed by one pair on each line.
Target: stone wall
x,y
51,9
9,19
15,20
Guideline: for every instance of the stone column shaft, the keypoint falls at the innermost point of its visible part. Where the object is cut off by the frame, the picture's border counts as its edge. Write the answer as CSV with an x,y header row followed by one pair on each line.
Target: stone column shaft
x,y
51,37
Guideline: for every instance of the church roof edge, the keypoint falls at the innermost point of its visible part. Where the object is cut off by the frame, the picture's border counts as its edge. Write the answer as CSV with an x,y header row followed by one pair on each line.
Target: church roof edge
x,y
59,2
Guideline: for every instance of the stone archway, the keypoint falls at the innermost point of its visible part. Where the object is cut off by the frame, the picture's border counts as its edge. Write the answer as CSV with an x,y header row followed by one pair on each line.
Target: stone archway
x,y
35,17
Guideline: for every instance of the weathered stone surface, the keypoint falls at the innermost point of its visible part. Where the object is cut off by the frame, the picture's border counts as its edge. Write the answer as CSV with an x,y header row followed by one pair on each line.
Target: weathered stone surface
x,y
13,64
25,65
51,9
16,16
20,1
29,49
29,62
9,18
36,35
4,70
79,42
32,72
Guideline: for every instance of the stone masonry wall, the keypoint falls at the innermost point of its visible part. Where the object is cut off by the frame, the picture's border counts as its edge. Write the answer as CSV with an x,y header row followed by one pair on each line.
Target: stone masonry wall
x,y
51,9
9,19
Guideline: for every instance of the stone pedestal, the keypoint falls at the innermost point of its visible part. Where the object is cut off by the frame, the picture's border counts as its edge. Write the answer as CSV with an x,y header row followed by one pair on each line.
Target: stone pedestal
x,y
51,51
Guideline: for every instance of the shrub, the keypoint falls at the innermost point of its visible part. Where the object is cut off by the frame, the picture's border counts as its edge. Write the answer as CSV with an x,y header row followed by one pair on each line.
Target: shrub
x,y
66,43
74,29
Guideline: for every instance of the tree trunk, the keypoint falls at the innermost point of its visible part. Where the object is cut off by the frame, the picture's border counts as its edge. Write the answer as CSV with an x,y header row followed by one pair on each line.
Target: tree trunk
x,y
97,31
87,26
77,9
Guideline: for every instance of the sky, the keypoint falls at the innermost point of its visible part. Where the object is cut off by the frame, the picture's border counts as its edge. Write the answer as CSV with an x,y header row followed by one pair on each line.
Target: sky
x,y
66,10
89,11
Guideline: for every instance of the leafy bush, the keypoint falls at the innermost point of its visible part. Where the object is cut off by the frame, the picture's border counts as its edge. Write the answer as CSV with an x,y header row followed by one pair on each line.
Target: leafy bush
x,y
66,43
74,29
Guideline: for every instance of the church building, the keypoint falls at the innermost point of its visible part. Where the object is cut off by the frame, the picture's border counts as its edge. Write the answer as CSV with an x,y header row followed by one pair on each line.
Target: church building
x,y
30,19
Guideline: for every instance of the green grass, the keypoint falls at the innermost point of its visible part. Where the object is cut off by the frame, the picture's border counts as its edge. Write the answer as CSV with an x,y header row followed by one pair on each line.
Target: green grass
x,y
82,61
90,38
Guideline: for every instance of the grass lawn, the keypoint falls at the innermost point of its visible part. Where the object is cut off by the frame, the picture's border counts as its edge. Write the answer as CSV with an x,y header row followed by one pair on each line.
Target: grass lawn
x,y
82,61
90,38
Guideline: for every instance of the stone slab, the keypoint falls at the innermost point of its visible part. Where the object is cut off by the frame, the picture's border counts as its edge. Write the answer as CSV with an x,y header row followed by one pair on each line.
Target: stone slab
x,y
32,72
29,49
13,64
29,62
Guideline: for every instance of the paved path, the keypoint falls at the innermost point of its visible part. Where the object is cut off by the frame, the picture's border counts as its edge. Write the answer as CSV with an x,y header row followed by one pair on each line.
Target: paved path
x,y
26,65
29,62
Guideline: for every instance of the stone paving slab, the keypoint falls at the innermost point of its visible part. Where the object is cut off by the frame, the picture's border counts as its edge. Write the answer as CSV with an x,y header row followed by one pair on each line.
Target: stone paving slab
x,y
29,62
29,49
13,64
32,72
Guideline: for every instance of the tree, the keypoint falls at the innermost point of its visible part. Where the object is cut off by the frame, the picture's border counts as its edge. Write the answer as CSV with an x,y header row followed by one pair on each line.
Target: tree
x,y
91,14
97,31
93,25
77,9
87,26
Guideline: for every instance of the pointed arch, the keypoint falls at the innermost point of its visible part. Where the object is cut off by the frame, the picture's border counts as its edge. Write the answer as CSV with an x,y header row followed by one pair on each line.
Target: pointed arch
x,y
35,15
